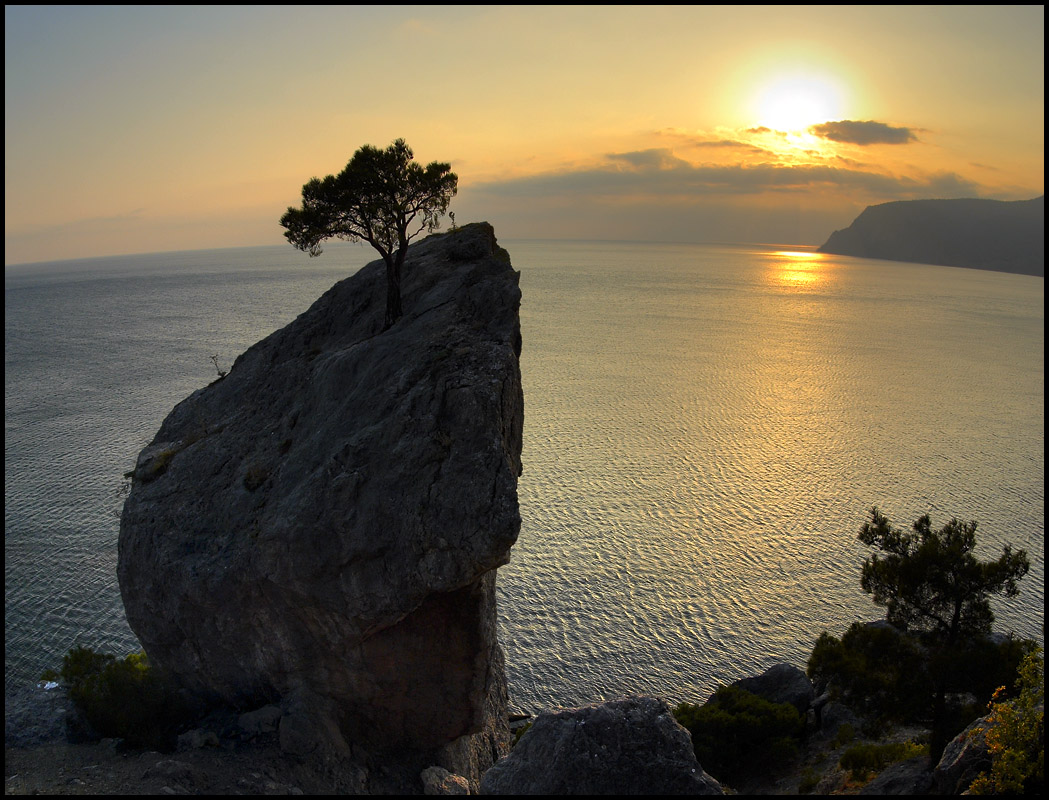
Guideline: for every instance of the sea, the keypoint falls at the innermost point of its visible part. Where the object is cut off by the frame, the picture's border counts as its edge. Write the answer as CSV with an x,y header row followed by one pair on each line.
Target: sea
x,y
706,429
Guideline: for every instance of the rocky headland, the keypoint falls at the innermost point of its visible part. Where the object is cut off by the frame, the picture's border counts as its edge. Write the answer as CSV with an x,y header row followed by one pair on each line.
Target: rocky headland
x,y
980,234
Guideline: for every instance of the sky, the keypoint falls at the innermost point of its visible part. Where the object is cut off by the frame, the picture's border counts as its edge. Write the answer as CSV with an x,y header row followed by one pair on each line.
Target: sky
x,y
146,129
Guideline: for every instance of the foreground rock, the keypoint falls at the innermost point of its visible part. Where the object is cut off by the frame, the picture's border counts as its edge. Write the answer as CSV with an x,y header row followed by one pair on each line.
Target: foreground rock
x,y
631,746
981,234
34,715
903,778
321,527
964,758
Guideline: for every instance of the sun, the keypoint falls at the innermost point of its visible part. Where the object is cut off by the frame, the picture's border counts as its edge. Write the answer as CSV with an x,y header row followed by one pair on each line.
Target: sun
x,y
794,103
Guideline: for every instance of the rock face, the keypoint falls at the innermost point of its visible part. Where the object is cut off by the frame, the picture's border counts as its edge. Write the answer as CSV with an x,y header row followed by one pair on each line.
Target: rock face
x,y
964,758
981,234
905,777
631,746
320,528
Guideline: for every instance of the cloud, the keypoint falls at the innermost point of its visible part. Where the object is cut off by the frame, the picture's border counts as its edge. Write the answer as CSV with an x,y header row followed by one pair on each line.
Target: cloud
x,y
690,141
658,173
863,133
659,158
850,162
950,184
719,143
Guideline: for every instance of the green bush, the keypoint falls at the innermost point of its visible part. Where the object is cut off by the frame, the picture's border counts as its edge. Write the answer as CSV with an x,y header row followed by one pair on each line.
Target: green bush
x,y
877,671
863,759
810,779
520,732
846,733
124,698
739,733
983,665
81,663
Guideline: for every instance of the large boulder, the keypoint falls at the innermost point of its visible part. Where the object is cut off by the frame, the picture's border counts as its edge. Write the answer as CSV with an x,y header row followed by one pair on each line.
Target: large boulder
x,y
630,746
912,776
964,758
320,528
831,715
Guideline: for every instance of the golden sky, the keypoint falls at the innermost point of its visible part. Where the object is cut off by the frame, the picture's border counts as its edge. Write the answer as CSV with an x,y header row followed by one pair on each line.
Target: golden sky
x,y
142,129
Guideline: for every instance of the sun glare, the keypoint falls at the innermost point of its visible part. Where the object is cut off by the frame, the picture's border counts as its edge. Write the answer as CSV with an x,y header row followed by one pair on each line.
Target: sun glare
x,y
795,269
793,103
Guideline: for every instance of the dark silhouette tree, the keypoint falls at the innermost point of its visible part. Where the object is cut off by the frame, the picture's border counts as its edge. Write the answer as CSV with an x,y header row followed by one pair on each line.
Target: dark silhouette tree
x,y
932,585
383,198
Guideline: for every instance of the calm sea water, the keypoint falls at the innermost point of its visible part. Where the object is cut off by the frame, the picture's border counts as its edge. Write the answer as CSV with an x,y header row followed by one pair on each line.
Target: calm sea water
x,y
705,429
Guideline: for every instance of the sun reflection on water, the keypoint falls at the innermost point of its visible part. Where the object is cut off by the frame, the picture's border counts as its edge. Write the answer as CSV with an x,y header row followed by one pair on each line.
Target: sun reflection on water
x,y
797,268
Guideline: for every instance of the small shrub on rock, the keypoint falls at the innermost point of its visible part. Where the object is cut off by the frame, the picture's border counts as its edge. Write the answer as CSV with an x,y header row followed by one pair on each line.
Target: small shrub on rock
x,y
810,779
846,733
986,664
739,734
863,759
520,732
79,664
124,698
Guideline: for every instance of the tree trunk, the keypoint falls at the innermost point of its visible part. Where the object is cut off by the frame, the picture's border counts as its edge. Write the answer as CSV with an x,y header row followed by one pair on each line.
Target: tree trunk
x,y
938,734
393,289
942,662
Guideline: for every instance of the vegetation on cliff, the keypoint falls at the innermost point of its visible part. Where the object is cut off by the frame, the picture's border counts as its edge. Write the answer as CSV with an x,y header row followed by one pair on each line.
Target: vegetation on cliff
x,y
121,698
1016,735
934,587
382,197
736,724
933,663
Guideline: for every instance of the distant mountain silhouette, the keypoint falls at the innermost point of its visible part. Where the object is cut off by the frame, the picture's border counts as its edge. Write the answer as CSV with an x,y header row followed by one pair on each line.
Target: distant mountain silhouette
x,y
981,234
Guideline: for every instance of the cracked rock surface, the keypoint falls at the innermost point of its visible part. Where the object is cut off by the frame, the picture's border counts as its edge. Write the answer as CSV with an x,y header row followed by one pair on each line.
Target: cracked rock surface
x,y
320,528
632,746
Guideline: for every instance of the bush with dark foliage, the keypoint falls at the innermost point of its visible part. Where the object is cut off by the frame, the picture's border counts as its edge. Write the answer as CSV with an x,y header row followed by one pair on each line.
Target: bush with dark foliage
x,y
124,698
739,734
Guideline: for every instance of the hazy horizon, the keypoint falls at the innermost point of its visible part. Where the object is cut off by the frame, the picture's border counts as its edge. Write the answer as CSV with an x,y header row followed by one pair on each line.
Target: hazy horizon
x,y
371,255
158,129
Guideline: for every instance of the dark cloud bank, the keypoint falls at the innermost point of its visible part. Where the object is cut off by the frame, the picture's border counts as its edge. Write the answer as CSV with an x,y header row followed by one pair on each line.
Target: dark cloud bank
x,y
863,133
659,173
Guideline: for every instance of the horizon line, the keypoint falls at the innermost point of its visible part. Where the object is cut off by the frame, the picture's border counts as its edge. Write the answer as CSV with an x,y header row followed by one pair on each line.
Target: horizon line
x,y
140,254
